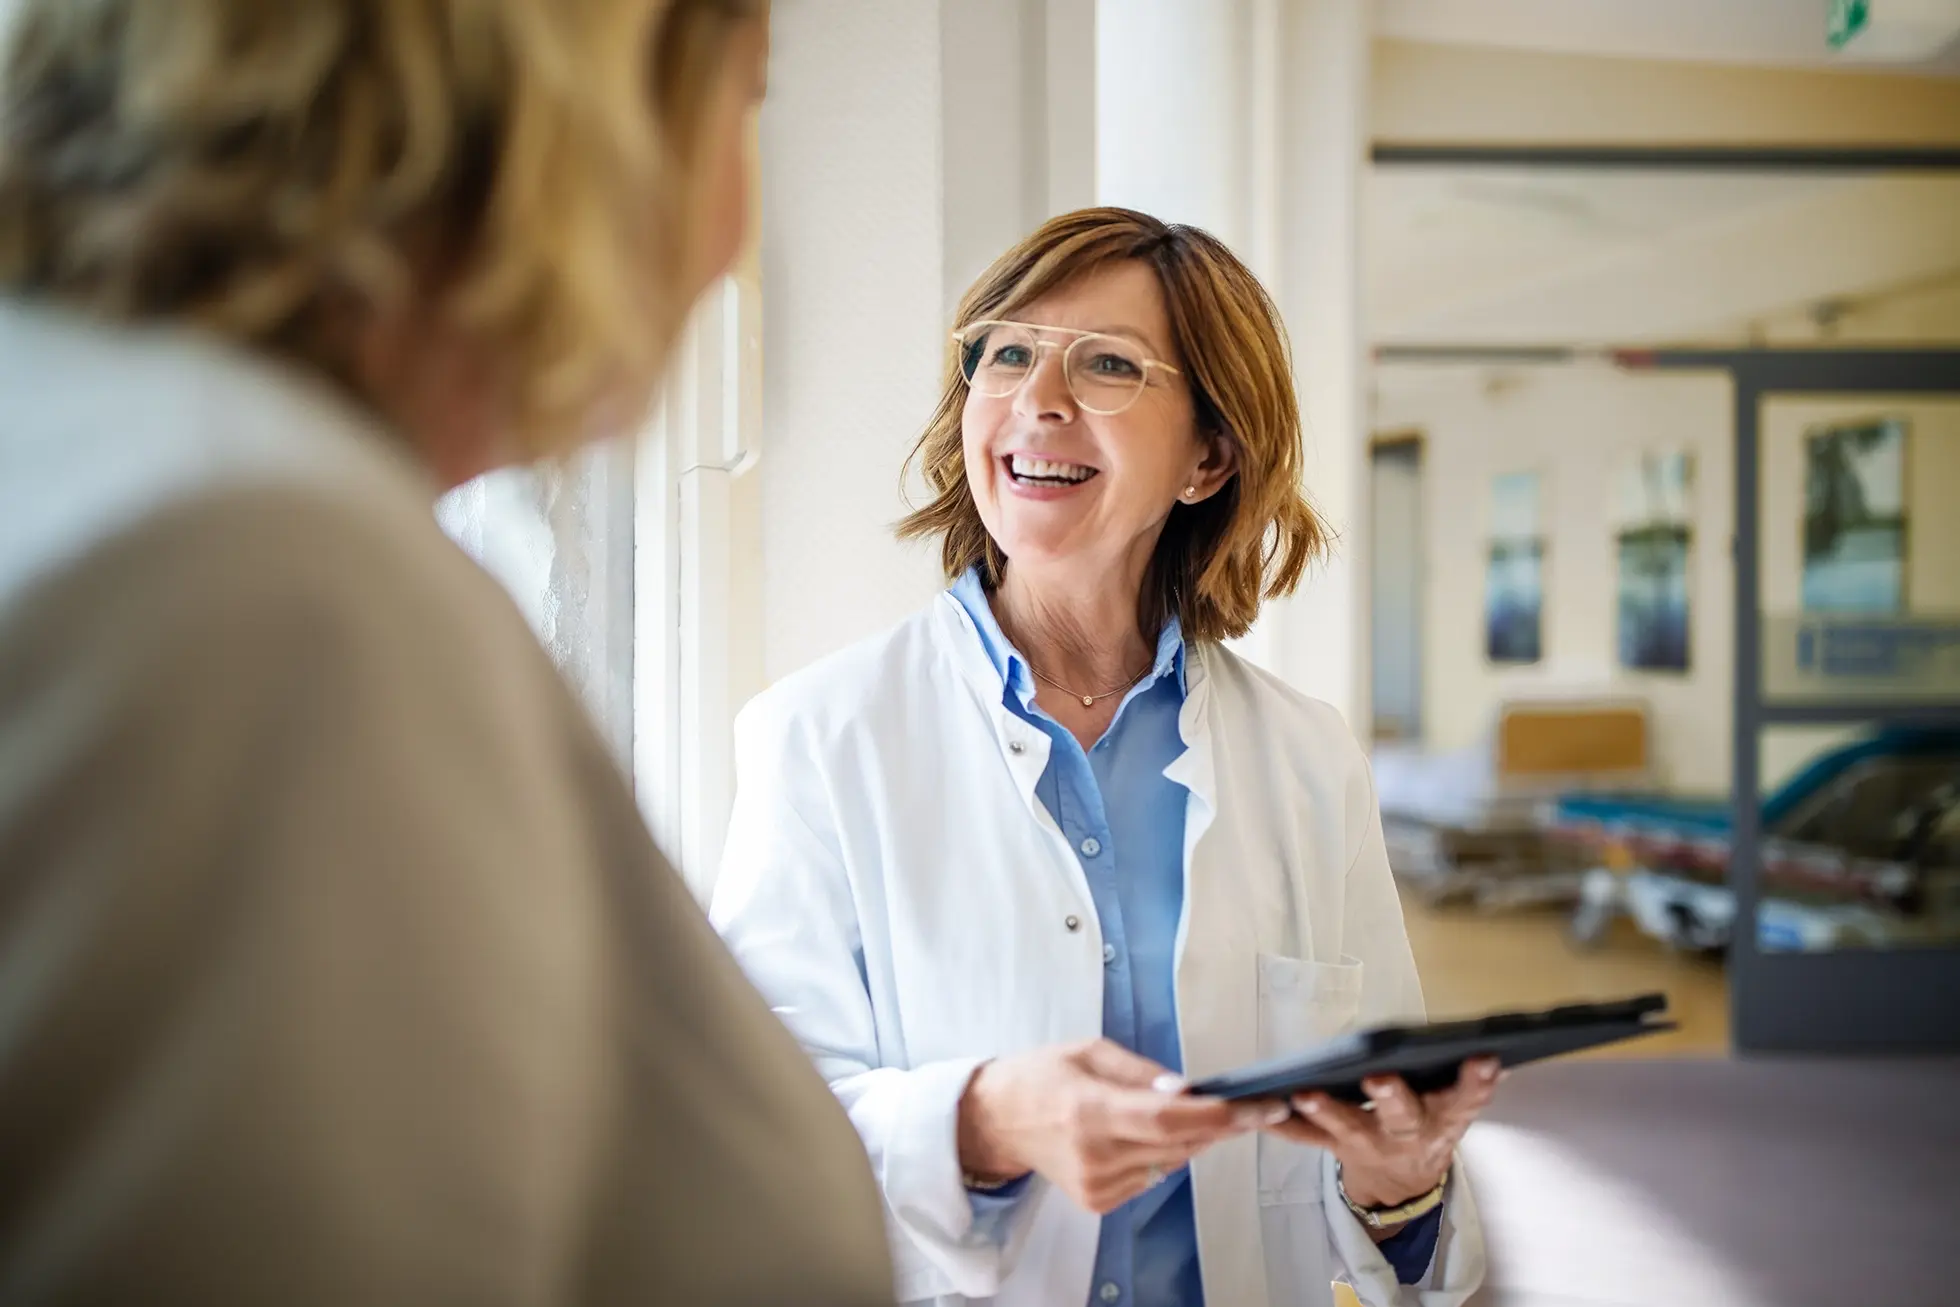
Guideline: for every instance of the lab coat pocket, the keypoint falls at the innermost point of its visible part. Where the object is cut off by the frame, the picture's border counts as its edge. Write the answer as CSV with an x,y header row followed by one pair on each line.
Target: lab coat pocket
x,y
1300,1004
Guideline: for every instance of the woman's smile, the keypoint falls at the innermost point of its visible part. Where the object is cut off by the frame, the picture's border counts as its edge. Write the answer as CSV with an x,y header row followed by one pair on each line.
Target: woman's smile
x,y
1032,476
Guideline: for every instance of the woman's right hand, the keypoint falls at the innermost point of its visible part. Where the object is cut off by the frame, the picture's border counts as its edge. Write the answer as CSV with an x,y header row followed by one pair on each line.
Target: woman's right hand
x,y
1094,1119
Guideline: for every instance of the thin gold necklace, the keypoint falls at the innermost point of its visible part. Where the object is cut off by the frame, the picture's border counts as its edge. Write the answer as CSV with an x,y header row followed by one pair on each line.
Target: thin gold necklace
x,y
1088,700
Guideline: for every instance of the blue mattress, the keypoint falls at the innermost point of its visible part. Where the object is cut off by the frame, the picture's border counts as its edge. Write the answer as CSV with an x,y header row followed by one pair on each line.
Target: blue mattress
x,y
1688,816
1696,818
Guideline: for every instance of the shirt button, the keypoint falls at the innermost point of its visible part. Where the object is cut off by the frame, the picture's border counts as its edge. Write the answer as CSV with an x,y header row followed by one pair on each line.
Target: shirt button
x,y
1110,1291
1109,953
1072,922
1091,847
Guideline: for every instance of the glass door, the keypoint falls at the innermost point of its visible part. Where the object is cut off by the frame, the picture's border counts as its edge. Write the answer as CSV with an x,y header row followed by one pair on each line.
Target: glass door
x,y
1846,848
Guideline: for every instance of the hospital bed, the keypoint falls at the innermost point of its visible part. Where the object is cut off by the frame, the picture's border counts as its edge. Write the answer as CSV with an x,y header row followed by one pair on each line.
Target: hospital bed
x,y
1861,848
1468,826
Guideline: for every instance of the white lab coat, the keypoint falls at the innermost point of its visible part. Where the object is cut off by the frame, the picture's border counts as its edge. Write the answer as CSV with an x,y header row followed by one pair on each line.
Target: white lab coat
x,y
904,901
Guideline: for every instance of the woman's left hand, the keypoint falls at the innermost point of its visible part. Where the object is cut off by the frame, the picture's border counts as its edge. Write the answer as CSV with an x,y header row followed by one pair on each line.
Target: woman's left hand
x,y
1401,1149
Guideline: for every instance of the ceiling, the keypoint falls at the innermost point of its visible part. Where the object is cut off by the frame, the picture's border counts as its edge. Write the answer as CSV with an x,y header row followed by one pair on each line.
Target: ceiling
x,y
1559,256
1774,32
1569,256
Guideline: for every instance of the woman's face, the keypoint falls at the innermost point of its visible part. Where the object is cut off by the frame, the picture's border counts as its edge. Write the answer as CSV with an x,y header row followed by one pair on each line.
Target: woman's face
x,y
722,216
1057,485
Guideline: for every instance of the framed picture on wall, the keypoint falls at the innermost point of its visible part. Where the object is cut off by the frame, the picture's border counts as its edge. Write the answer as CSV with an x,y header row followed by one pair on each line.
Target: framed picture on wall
x,y
1514,601
1653,598
1854,520
1655,541
1514,584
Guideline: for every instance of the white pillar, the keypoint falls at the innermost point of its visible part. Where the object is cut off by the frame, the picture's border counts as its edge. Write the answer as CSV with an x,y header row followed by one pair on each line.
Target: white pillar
x,y
905,145
1322,640
1173,112
1248,118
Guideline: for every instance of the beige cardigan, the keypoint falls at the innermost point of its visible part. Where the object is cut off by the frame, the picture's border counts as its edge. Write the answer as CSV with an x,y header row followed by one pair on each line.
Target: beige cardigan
x,y
336,965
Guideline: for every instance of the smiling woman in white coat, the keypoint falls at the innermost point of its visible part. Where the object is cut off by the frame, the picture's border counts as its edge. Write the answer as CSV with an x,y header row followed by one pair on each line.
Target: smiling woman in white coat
x,y
1018,869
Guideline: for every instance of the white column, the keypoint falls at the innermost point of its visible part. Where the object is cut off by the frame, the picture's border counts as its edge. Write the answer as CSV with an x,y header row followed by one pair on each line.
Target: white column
x,y
1174,111
905,145
1248,118
1322,637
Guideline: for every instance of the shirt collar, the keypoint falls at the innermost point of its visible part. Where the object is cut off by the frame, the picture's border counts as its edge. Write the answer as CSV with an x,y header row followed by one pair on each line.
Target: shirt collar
x,y
1013,669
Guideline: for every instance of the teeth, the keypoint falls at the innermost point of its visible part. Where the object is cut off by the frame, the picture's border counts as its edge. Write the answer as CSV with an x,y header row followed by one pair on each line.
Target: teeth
x,y
1044,470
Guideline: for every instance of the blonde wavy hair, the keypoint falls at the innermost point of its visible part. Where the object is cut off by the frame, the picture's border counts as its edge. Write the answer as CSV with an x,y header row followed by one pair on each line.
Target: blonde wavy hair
x,y
267,168
1217,559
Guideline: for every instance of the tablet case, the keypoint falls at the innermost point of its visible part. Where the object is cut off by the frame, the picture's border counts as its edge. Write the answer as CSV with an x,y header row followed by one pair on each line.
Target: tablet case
x,y
1429,1056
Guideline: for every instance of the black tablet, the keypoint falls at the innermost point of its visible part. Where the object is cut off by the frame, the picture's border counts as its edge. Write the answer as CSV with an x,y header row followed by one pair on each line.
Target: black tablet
x,y
1428,1057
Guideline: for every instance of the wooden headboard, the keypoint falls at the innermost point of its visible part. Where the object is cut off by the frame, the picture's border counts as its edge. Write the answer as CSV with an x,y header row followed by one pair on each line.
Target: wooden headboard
x,y
1546,740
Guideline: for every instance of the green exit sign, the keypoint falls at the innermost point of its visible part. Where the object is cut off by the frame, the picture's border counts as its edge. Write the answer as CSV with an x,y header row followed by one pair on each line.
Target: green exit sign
x,y
1848,18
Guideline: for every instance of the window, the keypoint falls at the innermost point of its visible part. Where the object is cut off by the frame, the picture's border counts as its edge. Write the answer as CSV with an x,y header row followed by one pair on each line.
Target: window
x,y
621,559
687,597
560,539
625,560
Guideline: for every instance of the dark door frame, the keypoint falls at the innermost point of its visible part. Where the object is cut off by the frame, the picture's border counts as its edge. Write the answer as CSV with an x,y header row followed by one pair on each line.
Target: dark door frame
x,y
1852,1000
1671,158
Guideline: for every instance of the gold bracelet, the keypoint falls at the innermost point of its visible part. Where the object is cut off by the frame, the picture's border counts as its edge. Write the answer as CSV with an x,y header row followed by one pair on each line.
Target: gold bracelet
x,y
1380,1218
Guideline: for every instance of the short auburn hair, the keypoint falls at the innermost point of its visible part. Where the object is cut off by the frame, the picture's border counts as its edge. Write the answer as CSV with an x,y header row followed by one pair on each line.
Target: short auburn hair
x,y
268,168
1216,560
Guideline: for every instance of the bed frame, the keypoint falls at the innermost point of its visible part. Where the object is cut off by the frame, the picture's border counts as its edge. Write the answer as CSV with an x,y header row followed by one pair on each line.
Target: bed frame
x,y
1541,748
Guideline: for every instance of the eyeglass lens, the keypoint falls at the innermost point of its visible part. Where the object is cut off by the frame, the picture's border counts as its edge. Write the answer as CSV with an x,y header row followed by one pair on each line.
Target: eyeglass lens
x,y
1104,373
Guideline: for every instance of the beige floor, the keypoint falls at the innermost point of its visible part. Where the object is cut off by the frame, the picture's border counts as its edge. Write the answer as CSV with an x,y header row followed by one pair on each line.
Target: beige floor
x,y
1476,962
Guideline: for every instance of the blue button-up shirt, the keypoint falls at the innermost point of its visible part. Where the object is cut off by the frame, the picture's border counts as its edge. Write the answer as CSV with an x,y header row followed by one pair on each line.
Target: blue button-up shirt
x,y
1125,820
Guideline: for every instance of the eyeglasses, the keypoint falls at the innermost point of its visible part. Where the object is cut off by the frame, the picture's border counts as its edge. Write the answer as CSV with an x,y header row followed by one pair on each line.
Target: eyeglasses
x,y
1106,374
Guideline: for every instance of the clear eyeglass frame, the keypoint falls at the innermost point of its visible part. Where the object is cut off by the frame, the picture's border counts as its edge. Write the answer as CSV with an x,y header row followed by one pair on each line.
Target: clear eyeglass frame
x,y
963,340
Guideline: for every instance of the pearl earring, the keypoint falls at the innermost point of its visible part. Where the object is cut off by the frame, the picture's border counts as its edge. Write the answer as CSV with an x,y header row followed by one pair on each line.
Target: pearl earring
x,y
1190,492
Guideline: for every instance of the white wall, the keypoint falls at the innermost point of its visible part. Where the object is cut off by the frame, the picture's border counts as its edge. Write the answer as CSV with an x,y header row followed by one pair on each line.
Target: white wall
x,y
852,254
850,267
1573,426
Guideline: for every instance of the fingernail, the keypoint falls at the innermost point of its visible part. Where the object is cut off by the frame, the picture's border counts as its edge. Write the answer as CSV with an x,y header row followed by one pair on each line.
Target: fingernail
x,y
1310,1106
1491,1070
1168,1084
1279,1115
1251,1118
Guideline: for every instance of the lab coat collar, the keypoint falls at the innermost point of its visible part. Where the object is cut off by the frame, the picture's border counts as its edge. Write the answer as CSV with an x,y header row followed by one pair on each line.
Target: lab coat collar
x,y
1195,769
1023,747
964,643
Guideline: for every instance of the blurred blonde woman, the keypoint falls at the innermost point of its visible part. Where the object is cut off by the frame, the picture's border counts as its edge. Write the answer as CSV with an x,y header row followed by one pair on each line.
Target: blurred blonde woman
x,y
336,965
